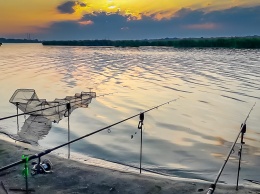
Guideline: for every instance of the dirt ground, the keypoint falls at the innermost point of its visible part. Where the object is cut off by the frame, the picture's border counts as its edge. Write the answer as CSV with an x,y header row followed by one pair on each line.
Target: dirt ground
x,y
74,177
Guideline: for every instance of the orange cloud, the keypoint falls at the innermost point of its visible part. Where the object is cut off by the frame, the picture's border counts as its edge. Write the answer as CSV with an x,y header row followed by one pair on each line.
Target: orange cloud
x,y
86,22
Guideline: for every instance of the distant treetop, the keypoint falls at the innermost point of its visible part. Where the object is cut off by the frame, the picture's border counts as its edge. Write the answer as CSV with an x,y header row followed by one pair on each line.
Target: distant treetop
x,y
223,42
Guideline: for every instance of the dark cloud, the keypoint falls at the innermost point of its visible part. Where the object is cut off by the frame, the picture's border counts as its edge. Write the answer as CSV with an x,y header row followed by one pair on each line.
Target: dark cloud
x,y
105,19
83,4
67,7
236,21
237,18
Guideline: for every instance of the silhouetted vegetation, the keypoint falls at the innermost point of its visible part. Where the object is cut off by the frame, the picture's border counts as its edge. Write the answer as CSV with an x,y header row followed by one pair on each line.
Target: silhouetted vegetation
x,y
236,42
7,40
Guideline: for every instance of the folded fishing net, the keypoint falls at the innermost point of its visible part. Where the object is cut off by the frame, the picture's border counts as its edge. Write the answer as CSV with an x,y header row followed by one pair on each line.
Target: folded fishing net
x,y
42,113
28,102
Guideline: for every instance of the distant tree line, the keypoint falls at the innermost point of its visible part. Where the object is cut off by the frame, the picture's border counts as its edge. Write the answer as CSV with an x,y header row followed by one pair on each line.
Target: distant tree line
x,y
8,40
236,42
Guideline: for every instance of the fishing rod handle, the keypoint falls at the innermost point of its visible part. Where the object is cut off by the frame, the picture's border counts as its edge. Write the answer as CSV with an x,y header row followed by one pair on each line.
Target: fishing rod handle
x,y
211,189
23,160
11,165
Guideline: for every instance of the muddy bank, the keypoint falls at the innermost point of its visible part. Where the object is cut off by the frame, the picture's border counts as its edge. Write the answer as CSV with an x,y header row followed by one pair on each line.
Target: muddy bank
x,y
75,177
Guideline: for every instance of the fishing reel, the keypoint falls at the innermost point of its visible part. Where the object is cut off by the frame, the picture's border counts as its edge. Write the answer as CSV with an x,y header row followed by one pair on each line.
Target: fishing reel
x,y
41,167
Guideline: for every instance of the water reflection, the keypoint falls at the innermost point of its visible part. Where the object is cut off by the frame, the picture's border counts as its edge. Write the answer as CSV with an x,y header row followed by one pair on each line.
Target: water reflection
x,y
218,87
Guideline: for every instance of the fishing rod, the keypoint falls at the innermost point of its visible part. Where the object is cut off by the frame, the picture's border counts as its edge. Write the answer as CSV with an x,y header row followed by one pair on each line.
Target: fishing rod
x,y
242,128
26,113
39,155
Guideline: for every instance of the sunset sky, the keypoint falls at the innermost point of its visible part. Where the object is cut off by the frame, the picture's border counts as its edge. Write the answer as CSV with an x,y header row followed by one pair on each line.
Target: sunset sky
x,y
128,19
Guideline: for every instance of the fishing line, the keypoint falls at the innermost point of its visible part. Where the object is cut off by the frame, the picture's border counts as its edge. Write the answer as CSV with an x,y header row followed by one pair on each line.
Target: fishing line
x,y
12,116
38,155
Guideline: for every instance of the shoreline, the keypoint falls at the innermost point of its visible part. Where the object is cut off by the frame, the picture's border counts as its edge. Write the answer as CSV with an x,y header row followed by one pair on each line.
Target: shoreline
x,y
72,176
221,42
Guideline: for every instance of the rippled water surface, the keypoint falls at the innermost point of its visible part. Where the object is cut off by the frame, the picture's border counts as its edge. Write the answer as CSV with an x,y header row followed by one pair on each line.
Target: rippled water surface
x,y
187,138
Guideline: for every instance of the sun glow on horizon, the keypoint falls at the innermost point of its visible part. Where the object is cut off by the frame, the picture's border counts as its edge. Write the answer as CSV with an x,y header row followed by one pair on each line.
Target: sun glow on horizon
x,y
36,15
158,10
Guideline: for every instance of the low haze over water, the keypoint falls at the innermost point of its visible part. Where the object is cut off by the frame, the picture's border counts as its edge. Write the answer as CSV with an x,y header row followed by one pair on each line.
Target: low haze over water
x,y
187,138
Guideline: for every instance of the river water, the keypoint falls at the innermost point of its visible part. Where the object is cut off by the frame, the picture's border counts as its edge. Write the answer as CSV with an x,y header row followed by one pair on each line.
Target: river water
x,y
188,138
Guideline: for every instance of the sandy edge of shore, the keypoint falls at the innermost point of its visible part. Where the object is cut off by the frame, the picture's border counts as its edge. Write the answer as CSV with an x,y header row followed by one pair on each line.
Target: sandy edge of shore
x,y
71,176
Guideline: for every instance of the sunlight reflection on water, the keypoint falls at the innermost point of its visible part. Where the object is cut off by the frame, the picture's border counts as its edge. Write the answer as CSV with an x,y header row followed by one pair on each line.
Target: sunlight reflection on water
x,y
216,87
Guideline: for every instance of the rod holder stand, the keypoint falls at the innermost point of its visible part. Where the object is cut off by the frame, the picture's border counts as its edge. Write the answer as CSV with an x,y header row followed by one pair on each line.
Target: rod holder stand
x,y
68,106
243,131
140,126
